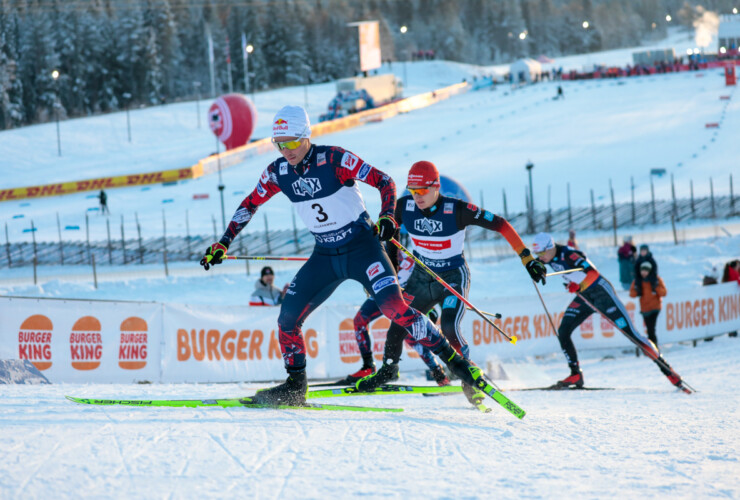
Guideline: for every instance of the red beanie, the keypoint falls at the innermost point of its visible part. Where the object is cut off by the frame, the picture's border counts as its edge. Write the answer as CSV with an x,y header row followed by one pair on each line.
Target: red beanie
x,y
423,173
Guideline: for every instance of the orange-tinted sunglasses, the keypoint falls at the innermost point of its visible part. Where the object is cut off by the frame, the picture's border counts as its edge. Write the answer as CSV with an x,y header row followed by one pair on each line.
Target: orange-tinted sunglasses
x,y
418,191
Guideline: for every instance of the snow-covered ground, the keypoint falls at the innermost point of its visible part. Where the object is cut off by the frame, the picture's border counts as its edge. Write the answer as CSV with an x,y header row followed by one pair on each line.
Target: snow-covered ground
x,y
642,440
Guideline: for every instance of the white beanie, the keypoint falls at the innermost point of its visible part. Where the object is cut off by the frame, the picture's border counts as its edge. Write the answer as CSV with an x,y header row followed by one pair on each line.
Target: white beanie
x,y
542,242
291,121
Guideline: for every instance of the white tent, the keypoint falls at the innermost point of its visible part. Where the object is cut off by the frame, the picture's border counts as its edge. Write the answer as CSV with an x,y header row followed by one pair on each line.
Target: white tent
x,y
527,70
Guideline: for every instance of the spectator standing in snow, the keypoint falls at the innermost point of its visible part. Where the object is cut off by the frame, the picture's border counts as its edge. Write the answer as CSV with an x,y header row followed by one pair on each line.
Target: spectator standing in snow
x,y
265,293
572,239
626,255
651,297
645,256
103,197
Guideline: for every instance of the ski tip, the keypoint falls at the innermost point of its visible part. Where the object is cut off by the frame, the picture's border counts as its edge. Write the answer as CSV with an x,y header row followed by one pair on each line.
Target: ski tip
x,y
74,400
513,339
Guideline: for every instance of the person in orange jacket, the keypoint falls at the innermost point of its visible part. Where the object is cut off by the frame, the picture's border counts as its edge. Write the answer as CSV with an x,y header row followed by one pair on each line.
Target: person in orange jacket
x,y
650,299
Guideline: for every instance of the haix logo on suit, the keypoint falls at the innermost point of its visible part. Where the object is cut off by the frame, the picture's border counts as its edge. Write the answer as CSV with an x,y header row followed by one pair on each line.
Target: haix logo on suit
x,y
308,186
428,226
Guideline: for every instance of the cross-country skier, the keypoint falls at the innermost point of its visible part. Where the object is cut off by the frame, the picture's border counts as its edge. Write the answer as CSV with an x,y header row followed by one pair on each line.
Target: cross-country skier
x,y
436,224
591,288
321,182
368,312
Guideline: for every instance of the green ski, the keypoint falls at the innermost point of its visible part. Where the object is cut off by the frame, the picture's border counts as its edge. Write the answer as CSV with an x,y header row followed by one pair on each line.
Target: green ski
x,y
224,403
485,385
383,390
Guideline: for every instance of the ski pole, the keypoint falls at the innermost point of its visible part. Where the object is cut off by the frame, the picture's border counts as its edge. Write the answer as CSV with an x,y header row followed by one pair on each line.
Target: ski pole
x,y
552,323
564,272
493,315
657,358
254,257
511,338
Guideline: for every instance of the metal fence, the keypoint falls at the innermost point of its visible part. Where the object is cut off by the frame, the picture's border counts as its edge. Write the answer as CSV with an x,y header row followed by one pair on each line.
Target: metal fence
x,y
137,250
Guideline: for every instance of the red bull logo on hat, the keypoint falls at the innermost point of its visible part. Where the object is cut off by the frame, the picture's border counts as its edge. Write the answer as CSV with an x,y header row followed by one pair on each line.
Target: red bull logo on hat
x,y
280,125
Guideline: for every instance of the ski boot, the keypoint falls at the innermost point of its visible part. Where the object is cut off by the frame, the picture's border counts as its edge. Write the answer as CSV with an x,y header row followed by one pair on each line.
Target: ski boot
x,y
475,396
675,379
368,368
292,392
574,381
361,373
439,376
387,373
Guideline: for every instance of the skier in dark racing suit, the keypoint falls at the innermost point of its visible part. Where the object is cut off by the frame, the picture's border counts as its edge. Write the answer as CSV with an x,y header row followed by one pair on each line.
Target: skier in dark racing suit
x,y
594,288
320,181
436,225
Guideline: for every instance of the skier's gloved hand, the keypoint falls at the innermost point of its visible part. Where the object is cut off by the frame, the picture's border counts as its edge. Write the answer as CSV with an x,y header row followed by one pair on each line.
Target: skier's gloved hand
x,y
536,269
214,255
385,228
573,287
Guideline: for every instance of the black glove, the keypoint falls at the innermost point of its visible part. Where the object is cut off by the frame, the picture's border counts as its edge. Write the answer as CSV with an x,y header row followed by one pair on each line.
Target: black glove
x,y
536,269
214,255
385,228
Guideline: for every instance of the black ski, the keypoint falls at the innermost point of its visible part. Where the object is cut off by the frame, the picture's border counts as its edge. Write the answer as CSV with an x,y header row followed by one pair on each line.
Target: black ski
x,y
556,387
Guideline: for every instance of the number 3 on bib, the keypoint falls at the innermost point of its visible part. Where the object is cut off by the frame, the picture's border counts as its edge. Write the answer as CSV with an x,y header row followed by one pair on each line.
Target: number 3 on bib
x,y
323,216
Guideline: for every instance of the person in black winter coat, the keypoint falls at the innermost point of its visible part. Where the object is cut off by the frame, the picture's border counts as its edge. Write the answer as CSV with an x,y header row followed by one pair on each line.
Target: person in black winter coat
x,y
652,277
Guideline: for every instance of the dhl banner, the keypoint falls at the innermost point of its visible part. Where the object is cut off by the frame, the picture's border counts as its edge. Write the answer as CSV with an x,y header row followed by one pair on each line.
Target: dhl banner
x,y
61,188
101,341
213,163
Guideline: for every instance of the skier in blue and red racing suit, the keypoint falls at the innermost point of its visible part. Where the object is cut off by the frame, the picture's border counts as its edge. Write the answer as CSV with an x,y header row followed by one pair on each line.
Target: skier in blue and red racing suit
x,y
320,181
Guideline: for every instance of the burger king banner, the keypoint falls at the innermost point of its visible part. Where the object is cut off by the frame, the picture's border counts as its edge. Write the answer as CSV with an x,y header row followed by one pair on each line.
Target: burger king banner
x,y
103,341
83,341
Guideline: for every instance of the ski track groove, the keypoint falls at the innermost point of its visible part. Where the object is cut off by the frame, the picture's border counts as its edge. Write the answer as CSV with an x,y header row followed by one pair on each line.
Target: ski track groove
x,y
121,454
228,452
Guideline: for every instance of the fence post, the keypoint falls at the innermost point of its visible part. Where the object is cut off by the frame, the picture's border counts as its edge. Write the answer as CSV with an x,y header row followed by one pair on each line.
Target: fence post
x,y
87,235
110,245
7,245
123,241
673,197
614,212
506,210
484,233
673,226
632,187
34,270
548,222
33,238
570,211
711,194
652,197
693,208
215,233
187,232
61,243
138,231
164,242
295,232
593,209
732,199
267,237
95,272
